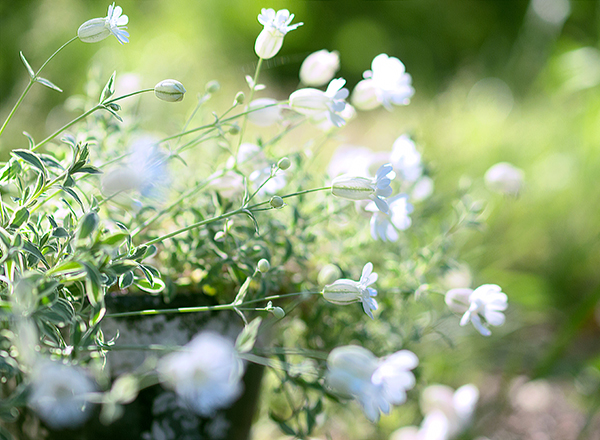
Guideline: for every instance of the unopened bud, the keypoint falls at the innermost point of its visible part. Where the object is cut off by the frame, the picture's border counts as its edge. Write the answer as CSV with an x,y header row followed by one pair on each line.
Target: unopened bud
x,y
234,129
169,90
276,202
239,98
114,106
284,163
93,30
219,236
263,265
213,86
278,312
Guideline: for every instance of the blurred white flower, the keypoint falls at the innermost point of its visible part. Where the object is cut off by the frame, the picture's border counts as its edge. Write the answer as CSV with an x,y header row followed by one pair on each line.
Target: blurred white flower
x,y
406,159
276,25
319,68
345,291
362,188
383,226
274,184
98,29
385,84
487,301
59,395
448,412
206,374
324,122
457,299
422,189
146,171
377,384
458,276
504,178
349,159
316,104
264,112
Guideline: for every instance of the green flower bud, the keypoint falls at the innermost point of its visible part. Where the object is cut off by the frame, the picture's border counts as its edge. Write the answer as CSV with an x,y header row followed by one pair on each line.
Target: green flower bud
x,y
239,98
276,202
278,312
213,87
234,129
263,265
284,163
169,90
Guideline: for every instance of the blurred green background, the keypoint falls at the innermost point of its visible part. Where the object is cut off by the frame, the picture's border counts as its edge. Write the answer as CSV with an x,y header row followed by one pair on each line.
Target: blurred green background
x,y
514,81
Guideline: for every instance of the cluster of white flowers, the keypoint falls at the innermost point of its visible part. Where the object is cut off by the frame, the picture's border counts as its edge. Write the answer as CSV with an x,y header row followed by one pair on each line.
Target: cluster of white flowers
x,y
345,291
377,384
487,302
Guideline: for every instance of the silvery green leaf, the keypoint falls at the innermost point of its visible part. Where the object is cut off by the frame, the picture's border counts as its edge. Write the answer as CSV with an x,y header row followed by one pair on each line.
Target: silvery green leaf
x,y
109,88
112,112
19,217
157,287
27,66
30,139
49,84
88,224
31,158
239,298
246,339
126,280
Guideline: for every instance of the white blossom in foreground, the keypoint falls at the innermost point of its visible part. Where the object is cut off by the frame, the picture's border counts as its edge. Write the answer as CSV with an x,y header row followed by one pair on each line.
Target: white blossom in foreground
x,y
385,84
315,103
448,412
377,384
276,26
505,178
406,159
98,29
206,374
383,226
319,68
363,188
487,302
345,291
59,395
264,112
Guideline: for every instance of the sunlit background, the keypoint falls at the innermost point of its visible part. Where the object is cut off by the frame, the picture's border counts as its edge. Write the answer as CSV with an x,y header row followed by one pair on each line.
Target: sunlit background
x,y
495,81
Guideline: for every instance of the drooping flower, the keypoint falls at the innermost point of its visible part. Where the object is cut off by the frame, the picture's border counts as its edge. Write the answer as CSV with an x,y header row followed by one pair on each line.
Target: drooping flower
x,y
276,26
169,90
316,103
98,29
385,84
383,226
377,384
59,395
345,291
363,188
504,178
206,374
319,68
487,302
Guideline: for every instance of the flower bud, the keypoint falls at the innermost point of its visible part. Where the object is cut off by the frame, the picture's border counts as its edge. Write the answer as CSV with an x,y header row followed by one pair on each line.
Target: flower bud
x,y
212,87
457,300
284,163
169,90
239,98
352,188
343,292
268,43
319,68
278,312
276,202
93,30
234,129
219,236
364,95
263,265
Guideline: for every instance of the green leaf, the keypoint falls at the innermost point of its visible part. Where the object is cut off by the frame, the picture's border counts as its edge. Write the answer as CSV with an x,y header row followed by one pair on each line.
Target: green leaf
x,y
114,239
60,233
239,298
33,250
88,224
121,267
88,169
246,339
31,158
126,280
30,139
60,313
93,287
109,88
49,84
73,194
112,112
19,217
144,285
66,267
27,66
97,314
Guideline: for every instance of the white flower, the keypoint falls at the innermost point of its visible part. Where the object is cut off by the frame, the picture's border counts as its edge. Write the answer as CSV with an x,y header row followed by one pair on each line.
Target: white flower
x,y
324,122
206,375
349,159
59,395
316,103
345,291
487,301
386,83
377,384
406,159
264,112
98,29
504,178
383,226
276,25
319,68
362,188
457,299
422,189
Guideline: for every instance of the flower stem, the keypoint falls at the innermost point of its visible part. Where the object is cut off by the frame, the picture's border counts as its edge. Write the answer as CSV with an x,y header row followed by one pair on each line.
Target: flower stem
x,y
31,82
118,98
64,127
245,121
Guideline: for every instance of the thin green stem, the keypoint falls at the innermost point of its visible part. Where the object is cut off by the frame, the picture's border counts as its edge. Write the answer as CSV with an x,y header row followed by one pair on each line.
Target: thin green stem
x,y
245,120
64,127
31,82
118,98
